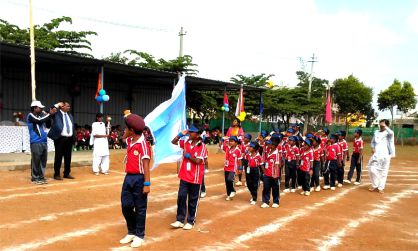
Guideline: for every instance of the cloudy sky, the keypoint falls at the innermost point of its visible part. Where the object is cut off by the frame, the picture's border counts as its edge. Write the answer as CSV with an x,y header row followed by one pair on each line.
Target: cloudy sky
x,y
376,40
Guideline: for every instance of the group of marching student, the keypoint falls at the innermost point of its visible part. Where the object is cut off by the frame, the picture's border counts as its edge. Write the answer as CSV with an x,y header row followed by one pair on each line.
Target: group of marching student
x,y
302,160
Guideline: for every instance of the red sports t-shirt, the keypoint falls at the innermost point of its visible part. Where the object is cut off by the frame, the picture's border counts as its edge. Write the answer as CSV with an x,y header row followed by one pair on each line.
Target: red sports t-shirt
x,y
357,145
232,155
292,153
254,161
344,146
318,153
244,150
271,167
190,171
306,160
324,142
333,152
135,153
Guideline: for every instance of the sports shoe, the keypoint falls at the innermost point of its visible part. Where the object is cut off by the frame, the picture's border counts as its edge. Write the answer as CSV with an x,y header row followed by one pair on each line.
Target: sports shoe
x,y
292,190
307,193
302,193
340,185
299,187
347,181
311,189
381,191
317,189
286,190
228,198
238,183
275,205
177,224
106,173
128,238
356,183
97,173
326,187
333,188
44,181
188,226
253,202
232,194
202,194
336,182
137,242
39,182
264,205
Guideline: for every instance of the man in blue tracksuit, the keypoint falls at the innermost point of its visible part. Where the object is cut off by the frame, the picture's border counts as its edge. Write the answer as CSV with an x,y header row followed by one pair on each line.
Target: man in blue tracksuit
x,y
38,140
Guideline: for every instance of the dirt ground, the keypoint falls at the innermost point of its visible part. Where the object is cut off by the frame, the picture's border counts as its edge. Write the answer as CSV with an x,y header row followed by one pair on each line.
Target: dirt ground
x,y
85,214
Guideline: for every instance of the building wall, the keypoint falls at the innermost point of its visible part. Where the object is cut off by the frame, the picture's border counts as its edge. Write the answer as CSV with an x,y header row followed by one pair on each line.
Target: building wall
x,y
54,83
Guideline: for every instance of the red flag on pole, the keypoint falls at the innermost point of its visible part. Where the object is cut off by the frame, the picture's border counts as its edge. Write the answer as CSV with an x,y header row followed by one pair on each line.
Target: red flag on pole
x,y
99,85
226,99
240,103
328,113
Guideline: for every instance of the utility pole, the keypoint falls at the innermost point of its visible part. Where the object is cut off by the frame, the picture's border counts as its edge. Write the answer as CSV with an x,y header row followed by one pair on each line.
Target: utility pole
x,y
181,34
32,51
312,61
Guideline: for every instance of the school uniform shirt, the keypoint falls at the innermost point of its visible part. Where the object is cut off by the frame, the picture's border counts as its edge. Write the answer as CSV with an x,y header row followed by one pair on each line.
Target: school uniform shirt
x,y
344,146
333,152
324,142
292,153
135,153
254,161
307,157
271,167
318,153
357,145
232,155
190,171
101,145
244,150
280,150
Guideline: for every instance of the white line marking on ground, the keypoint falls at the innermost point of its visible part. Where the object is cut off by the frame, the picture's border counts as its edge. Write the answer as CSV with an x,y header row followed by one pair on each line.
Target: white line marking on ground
x,y
333,240
238,242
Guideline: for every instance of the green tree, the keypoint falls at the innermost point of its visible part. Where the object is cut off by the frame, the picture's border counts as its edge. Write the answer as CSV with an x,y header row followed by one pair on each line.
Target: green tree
x,y
351,96
397,94
49,37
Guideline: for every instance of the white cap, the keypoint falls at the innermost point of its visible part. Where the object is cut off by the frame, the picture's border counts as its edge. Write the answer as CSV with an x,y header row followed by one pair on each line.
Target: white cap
x,y
36,103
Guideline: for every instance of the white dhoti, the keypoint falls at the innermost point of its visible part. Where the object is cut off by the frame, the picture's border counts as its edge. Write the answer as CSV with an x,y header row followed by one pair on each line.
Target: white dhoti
x,y
100,148
378,171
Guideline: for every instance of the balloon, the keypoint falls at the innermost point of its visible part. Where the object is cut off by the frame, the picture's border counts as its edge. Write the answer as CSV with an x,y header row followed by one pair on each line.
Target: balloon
x,y
102,92
227,109
223,108
99,99
105,98
241,116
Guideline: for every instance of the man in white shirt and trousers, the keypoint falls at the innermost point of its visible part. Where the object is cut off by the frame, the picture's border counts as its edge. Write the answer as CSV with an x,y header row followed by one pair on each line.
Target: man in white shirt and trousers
x,y
383,149
100,144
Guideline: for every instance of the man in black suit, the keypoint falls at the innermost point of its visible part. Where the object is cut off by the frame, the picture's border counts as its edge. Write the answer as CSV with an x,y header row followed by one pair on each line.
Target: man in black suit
x,y
63,133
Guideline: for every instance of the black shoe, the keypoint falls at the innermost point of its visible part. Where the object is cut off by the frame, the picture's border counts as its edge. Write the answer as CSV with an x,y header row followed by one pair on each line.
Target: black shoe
x,y
57,177
69,177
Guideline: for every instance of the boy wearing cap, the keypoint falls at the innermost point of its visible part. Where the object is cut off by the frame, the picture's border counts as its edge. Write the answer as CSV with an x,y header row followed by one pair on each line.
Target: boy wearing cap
x,y
356,157
292,163
271,175
252,171
344,155
244,151
333,162
306,166
233,158
318,157
36,121
262,149
191,173
136,185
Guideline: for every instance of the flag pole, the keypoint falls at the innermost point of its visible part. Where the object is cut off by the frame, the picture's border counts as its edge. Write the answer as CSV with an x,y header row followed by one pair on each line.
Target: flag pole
x,y
102,80
223,118
32,51
261,111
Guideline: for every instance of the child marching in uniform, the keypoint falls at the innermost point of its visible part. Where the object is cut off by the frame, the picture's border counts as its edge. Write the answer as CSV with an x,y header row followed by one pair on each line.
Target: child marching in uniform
x,y
292,162
136,185
252,171
244,151
305,167
261,142
233,158
344,155
190,175
356,157
324,140
271,183
333,161
318,158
